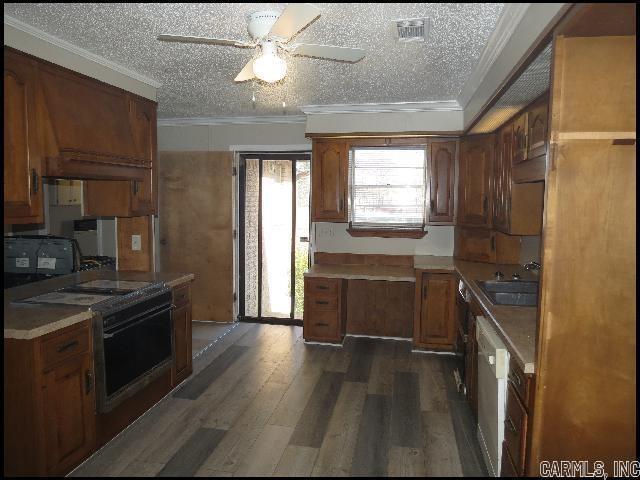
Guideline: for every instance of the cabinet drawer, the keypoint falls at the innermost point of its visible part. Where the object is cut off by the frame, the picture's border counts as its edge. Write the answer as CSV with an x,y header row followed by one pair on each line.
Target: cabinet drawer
x,y
322,302
321,325
515,428
322,286
521,382
64,346
181,295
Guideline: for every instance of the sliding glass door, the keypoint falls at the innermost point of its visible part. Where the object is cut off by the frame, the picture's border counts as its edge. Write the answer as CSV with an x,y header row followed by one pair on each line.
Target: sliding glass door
x,y
274,235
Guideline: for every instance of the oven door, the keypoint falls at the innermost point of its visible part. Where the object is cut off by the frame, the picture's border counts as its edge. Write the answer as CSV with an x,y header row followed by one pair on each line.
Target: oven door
x,y
134,352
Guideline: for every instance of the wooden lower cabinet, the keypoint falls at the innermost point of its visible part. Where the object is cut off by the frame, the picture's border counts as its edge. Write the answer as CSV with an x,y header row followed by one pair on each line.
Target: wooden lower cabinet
x,y
182,328
434,318
68,400
325,309
518,417
49,402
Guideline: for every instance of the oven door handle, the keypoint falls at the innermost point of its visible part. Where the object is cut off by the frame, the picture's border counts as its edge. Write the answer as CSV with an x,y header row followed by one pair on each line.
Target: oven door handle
x,y
136,322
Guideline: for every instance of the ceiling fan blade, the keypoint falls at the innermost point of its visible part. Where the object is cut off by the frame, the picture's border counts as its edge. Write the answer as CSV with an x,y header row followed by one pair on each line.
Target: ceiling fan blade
x,y
293,19
246,73
329,52
206,40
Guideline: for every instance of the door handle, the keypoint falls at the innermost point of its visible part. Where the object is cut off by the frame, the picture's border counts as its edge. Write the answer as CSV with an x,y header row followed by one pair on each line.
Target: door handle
x,y
493,243
67,346
484,204
135,187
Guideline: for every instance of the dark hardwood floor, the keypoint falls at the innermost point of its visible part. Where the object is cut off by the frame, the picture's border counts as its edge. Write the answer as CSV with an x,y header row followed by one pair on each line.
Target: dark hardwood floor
x,y
261,402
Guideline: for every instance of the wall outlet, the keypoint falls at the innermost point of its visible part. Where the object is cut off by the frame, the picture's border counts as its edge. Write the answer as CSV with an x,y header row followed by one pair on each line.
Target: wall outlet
x,y
136,242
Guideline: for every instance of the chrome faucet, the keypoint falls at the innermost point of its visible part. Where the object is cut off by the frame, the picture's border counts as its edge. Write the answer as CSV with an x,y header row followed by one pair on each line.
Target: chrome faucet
x,y
532,266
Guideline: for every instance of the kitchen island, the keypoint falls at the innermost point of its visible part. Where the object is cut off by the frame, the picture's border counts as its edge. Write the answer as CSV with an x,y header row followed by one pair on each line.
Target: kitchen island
x,y
53,359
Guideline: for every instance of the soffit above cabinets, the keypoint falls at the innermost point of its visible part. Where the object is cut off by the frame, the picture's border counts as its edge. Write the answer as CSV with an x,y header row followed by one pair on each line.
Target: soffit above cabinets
x,y
532,83
197,80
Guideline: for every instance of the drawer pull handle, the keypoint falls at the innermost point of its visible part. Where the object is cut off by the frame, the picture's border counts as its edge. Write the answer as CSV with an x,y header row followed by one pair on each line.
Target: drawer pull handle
x,y
511,426
321,324
322,302
322,287
67,346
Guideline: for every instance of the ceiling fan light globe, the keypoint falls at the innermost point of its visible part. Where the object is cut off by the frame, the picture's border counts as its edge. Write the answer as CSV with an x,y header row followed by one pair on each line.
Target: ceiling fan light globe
x,y
269,67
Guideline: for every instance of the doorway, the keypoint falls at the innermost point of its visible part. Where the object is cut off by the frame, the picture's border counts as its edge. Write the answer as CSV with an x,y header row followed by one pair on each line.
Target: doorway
x,y
273,236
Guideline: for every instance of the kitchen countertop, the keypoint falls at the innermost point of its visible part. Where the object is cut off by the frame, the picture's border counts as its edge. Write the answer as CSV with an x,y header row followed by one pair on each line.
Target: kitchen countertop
x,y
363,272
516,325
22,321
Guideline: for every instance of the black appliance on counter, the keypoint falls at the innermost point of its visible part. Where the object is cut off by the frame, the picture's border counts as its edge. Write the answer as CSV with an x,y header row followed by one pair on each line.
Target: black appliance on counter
x,y
31,258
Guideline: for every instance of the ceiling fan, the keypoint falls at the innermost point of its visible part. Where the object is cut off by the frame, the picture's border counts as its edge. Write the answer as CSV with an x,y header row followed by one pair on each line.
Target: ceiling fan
x,y
271,32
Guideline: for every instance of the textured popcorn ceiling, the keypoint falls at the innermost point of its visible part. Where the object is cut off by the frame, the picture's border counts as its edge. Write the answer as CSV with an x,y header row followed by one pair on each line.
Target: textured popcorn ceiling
x,y
197,80
532,83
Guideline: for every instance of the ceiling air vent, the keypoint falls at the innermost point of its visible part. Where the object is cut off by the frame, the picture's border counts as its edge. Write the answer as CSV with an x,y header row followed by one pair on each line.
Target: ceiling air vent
x,y
413,29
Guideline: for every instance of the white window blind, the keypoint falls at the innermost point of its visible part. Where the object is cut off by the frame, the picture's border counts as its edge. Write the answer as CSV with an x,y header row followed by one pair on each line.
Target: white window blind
x,y
387,187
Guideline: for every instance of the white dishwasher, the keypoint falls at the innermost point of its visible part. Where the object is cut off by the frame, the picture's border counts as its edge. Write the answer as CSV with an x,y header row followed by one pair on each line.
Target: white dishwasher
x,y
493,367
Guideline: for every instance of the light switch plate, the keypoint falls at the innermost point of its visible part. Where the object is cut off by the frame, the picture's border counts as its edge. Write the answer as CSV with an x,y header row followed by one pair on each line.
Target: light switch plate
x,y
136,242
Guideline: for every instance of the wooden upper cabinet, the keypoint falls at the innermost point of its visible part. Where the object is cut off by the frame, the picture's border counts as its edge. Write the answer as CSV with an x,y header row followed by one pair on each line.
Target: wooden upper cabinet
x,y
88,118
329,180
474,184
442,167
142,114
537,120
502,178
434,319
22,153
519,139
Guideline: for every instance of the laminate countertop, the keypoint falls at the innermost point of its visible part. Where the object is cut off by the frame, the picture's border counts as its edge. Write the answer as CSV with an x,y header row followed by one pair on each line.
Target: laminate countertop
x,y
23,321
363,272
516,325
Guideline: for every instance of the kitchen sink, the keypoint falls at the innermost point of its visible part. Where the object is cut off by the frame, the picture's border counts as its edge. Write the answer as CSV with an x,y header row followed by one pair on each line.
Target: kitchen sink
x,y
511,292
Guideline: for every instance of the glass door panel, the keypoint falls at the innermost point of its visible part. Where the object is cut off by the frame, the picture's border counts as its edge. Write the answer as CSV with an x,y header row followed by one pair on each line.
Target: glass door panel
x,y
276,197
301,257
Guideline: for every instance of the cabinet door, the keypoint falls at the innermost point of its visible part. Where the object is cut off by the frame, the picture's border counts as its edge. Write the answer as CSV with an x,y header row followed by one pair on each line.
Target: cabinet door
x,y
475,244
69,420
537,134
22,155
474,194
442,182
502,179
183,342
520,139
329,181
142,195
89,118
142,115
435,326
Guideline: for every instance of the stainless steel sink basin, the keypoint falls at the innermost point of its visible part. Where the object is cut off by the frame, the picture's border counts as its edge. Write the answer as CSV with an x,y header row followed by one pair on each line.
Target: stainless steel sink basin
x,y
511,292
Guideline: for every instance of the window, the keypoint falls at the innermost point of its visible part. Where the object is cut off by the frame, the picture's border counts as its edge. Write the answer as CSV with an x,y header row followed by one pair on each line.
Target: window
x,y
387,188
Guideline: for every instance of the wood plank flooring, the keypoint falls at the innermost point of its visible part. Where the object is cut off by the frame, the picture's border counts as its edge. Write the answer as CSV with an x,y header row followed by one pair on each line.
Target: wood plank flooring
x,y
261,402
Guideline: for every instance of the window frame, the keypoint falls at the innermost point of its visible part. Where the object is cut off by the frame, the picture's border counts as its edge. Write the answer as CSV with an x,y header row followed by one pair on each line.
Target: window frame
x,y
392,231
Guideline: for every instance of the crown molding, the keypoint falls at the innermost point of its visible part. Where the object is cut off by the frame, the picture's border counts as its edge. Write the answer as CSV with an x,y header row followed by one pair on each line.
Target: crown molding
x,y
44,36
505,28
274,119
430,106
